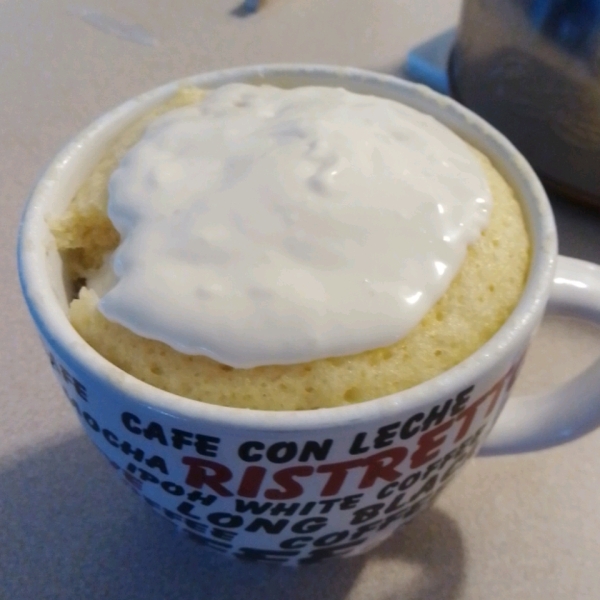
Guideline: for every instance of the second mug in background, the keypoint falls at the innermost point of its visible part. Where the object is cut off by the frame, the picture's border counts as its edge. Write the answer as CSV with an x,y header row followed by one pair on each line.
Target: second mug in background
x,y
532,69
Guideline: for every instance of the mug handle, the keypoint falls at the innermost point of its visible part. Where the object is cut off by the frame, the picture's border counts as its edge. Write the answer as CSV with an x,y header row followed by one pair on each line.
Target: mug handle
x,y
573,409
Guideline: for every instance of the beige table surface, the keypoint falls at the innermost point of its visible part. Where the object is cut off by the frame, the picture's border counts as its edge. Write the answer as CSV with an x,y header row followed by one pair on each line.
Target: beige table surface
x,y
524,527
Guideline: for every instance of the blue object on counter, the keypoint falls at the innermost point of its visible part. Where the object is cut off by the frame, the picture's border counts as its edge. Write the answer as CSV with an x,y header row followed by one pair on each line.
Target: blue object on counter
x,y
252,5
428,62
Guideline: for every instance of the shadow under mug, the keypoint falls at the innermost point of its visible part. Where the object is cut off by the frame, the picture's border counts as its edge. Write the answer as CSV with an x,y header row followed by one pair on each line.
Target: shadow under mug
x,y
300,487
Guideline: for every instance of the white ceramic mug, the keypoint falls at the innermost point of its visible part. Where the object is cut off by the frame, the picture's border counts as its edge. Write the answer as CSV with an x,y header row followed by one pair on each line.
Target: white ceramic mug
x,y
299,487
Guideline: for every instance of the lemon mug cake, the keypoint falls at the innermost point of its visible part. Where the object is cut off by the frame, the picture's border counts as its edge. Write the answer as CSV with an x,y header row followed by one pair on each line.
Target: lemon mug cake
x,y
291,249
311,237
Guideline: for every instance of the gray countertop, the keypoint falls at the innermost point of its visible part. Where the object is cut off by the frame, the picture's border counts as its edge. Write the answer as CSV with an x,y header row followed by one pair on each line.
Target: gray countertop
x,y
524,527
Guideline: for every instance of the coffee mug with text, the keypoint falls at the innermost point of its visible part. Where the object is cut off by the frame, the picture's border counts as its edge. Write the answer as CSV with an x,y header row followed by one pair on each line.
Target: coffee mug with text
x,y
300,487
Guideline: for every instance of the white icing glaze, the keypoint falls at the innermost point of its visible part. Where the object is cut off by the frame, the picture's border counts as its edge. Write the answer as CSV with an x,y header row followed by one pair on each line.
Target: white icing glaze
x,y
270,226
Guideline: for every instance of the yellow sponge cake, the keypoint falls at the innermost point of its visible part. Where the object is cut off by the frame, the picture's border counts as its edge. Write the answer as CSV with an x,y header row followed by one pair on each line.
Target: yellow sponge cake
x,y
473,308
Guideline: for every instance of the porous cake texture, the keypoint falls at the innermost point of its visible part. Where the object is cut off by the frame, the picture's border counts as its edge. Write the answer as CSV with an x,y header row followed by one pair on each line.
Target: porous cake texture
x,y
474,307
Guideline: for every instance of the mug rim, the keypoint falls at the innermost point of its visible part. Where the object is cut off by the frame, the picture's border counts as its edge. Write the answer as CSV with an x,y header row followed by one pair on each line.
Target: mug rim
x,y
54,325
